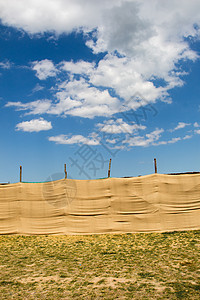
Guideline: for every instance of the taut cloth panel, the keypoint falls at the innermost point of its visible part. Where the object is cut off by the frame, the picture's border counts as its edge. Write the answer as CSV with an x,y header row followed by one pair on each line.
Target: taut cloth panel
x,y
152,203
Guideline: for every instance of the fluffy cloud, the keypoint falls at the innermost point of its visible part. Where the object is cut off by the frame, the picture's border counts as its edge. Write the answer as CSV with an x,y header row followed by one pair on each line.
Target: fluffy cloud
x,y
117,134
120,23
152,139
140,46
76,98
187,136
80,67
180,125
35,107
196,124
92,101
60,16
124,77
150,45
44,69
75,139
5,65
173,140
35,125
94,139
144,141
197,131
118,126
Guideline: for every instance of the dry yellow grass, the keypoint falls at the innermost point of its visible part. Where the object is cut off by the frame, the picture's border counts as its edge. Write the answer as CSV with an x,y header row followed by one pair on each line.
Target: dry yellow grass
x,y
128,266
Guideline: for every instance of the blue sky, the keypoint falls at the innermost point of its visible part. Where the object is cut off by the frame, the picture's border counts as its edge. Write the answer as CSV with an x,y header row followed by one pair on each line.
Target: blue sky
x,y
80,84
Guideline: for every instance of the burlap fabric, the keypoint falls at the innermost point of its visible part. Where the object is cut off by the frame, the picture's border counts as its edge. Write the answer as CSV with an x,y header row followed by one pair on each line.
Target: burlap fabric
x,y
152,203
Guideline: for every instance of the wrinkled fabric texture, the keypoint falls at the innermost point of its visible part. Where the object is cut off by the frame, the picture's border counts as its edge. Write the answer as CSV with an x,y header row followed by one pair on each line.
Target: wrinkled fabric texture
x,y
152,203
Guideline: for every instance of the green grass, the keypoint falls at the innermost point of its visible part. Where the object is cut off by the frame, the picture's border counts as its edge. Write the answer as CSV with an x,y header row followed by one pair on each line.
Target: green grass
x,y
128,266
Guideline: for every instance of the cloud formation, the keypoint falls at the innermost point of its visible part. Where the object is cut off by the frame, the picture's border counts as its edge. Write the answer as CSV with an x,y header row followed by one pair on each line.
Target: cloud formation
x,y
144,141
118,134
37,88
180,125
140,48
76,98
44,69
196,124
118,126
35,125
37,107
197,131
60,16
75,139
5,65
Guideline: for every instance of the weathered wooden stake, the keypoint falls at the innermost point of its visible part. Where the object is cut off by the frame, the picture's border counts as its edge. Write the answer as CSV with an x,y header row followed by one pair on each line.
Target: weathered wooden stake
x,y
155,165
20,177
65,169
109,168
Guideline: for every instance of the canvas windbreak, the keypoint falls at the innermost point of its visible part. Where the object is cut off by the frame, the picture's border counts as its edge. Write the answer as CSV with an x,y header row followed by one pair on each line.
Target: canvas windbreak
x,y
113,205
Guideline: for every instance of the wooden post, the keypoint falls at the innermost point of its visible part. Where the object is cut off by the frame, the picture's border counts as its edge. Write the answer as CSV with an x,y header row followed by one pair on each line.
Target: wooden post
x,y
20,177
109,168
155,165
65,170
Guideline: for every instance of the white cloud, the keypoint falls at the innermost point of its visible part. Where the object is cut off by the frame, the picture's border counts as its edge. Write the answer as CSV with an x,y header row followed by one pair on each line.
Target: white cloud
x,y
122,24
92,101
76,98
161,143
122,140
197,131
55,15
5,65
187,136
37,88
44,69
80,67
75,139
35,125
94,139
113,141
180,125
151,46
118,126
143,41
144,141
64,105
174,140
196,124
122,75
34,107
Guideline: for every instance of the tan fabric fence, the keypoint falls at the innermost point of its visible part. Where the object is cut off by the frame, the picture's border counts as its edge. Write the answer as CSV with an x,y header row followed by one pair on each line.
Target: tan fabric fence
x,y
114,205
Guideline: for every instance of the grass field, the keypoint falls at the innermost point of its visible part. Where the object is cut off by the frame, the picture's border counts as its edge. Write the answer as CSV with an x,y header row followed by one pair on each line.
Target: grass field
x,y
129,266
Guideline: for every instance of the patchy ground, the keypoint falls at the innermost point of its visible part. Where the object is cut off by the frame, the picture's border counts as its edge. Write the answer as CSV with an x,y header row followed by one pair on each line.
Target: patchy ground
x,y
128,266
